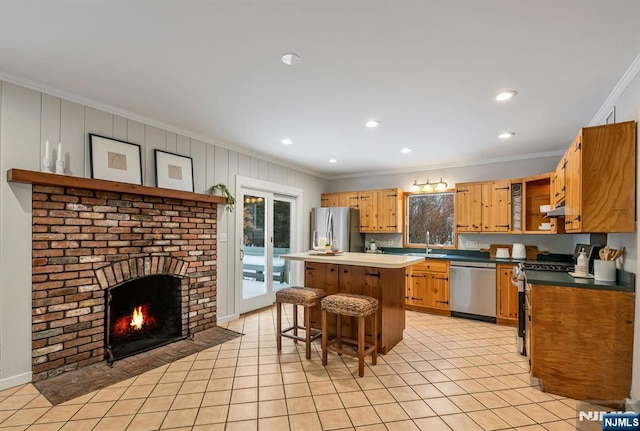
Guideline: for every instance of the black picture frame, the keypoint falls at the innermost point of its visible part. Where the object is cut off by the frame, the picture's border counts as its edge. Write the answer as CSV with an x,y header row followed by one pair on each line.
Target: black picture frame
x,y
115,160
173,171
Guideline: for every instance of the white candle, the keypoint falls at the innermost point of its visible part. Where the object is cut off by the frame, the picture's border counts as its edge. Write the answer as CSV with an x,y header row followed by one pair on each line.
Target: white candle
x,y
322,241
60,151
46,149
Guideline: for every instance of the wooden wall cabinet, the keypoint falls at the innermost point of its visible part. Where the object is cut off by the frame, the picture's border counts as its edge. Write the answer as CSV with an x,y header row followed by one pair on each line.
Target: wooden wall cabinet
x,y
506,296
600,179
427,287
483,206
590,355
468,207
496,206
380,210
558,182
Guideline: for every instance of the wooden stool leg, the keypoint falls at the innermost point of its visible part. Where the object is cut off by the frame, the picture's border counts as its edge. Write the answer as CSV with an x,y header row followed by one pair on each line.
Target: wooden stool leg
x,y
374,354
279,323
361,324
307,325
324,337
339,332
295,322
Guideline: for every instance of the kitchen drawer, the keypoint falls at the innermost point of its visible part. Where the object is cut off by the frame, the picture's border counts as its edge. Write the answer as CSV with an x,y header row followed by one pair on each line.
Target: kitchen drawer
x,y
433,265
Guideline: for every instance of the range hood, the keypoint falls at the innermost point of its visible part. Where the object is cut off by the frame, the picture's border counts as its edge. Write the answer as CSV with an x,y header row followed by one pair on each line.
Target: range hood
x,y
555,213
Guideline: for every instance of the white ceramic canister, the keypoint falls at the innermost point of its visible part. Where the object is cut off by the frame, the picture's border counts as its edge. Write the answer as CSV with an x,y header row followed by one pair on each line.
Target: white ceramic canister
x,y
519,251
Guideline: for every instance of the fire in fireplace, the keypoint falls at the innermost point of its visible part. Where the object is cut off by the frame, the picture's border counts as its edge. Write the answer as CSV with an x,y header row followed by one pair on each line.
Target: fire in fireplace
x,y
143,314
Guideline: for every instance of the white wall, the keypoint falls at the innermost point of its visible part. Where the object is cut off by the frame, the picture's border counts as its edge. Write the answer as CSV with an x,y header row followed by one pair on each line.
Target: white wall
x,y
27,119
453,175
627,109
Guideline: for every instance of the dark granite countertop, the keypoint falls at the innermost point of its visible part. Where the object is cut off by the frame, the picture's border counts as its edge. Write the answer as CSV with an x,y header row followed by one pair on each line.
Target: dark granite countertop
x,y
625,283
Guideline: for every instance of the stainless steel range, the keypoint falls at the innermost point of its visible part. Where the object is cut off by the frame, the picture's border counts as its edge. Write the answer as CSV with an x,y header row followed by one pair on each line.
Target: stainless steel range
x,y
519,281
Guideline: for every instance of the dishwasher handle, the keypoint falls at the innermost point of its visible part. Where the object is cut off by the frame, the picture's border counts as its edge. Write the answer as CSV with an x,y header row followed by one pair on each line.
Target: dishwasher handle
x,y
481,265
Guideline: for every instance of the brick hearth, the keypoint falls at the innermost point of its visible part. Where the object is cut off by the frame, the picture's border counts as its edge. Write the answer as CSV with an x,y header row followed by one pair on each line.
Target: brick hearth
x,y
86,241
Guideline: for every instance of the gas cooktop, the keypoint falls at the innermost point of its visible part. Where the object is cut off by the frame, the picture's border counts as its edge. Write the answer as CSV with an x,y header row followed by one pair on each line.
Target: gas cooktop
x,y
538,265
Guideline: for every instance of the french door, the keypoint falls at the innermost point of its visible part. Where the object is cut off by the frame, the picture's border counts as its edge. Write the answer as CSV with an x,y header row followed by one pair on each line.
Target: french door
x,y
266,221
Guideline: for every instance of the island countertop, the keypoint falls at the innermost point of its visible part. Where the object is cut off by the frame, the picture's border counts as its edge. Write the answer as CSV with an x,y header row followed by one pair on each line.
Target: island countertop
x,y
357,259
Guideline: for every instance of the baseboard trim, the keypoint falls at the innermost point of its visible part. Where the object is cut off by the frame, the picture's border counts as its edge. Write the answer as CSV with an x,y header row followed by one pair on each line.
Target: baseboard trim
x,y
228,318
18,380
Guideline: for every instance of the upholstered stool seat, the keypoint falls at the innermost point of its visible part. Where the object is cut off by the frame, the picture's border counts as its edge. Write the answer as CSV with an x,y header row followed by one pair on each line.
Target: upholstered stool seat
x,y
351,305
307,297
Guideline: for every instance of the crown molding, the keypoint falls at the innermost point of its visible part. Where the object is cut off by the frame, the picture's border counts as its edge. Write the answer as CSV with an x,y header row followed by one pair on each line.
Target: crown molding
x,y
427,168
617,91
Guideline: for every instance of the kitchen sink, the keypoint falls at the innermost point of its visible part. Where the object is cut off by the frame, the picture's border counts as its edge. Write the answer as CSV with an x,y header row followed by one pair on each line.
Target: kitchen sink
x,y
426,255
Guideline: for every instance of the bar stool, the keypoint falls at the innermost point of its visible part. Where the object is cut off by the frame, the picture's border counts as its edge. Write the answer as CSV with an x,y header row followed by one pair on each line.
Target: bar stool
x,y
308,297
347,304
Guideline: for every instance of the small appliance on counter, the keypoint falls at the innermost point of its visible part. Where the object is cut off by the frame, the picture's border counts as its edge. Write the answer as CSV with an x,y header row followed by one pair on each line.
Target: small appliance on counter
x,y
519,251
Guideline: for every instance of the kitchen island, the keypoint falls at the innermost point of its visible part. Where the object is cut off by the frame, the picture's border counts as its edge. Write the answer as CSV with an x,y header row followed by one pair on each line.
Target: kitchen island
x,y
381,276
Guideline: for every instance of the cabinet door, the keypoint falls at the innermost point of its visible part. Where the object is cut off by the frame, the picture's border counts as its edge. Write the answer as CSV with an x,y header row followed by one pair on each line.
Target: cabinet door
x,y
573,199
559,181
507,294
496,206
350,199
438,290
419,287
468,210
320,276
389,210
330,200
359,280
368,211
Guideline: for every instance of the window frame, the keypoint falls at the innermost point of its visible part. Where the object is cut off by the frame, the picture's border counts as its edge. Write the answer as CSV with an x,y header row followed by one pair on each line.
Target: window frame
x,y
405,233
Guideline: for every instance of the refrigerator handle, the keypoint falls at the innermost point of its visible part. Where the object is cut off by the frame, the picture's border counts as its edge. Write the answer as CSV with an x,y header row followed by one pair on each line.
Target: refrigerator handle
x,y
330,223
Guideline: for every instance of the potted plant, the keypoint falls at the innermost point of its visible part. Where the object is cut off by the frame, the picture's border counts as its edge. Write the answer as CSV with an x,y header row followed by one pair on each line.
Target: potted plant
x,y
224,191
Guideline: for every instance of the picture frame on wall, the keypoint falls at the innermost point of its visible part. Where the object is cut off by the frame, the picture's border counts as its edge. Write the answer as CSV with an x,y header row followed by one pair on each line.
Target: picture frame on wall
x,y
115,160
173,171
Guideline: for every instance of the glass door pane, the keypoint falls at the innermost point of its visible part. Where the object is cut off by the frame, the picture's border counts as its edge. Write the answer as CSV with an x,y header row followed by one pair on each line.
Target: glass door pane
x,y
256,248
282,216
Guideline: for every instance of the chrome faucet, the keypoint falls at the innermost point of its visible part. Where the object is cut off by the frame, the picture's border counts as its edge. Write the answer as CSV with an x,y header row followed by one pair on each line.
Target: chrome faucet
x,y
428,250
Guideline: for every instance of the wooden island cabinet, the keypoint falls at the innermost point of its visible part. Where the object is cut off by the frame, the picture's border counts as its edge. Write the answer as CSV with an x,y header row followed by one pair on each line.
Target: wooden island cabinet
x,y
376,275
580,340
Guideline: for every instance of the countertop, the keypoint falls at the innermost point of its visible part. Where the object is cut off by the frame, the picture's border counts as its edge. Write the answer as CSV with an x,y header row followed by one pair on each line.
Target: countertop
x,y
377,260
625,283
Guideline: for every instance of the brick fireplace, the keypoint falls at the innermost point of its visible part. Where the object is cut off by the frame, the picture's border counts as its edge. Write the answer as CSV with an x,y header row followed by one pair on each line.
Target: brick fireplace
x,y
88,242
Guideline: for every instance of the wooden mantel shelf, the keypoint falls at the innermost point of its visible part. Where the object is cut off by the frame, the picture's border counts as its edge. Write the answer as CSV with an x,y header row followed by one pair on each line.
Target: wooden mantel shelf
x,y
45,179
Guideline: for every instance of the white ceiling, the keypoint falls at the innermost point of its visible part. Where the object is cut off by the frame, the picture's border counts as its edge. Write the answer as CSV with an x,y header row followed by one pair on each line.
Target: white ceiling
x,y
427,69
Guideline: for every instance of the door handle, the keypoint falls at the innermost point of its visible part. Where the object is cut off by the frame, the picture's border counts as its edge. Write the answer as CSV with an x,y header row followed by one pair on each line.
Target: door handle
x,y
241,254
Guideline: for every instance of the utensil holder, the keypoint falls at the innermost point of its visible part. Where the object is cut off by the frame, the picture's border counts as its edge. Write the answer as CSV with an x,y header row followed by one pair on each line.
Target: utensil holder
x,y
604,270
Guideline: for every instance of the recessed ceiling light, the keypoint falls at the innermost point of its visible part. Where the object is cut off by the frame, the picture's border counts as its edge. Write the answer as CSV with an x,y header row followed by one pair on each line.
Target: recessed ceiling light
x,y
372,123
506,95
406,150
506,135
333,160
287,141
290,59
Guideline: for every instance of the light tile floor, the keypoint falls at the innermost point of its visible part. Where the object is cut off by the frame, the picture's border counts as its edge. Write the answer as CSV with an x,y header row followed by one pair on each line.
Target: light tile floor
x,y
447,374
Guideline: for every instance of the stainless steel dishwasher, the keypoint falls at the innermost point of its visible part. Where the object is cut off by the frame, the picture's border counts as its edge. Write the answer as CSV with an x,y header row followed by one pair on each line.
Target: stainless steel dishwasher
x,y
473,290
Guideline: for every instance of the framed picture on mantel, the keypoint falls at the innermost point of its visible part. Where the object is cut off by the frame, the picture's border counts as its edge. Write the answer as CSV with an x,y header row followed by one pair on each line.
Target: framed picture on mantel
x,y
115,160
174,171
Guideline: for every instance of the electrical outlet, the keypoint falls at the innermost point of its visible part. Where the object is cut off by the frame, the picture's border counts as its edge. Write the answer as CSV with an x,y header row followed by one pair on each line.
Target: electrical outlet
x,y
222,237
471,244
390,242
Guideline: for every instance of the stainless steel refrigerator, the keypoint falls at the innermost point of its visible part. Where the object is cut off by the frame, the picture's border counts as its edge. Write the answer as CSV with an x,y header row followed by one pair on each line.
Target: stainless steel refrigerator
x,y
344,224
